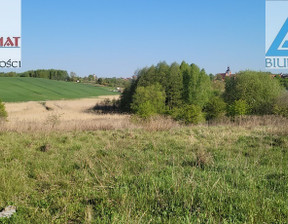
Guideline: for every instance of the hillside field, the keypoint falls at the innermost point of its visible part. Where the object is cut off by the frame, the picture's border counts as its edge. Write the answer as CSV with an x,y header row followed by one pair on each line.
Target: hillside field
x,y
37,89
200,174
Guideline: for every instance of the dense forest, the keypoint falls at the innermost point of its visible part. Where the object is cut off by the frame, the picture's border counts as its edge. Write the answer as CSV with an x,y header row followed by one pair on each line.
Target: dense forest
x,y
188,94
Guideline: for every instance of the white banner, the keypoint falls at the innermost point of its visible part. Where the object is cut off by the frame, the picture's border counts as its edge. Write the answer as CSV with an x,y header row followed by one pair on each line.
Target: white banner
x,y
10,34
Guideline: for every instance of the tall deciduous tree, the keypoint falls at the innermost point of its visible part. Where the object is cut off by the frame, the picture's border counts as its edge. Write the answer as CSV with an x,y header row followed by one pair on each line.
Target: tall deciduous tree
x,y
174,86
185,70
196,85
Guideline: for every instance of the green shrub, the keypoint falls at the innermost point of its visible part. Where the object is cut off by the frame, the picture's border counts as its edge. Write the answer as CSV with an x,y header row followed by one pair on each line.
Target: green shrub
x,y
258,89
3,113
281,106
282,111
238,108
149,101
215,108
189,114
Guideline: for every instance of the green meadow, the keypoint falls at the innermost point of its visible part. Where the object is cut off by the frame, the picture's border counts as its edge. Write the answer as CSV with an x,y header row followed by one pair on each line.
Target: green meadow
x,y
199,174
37,89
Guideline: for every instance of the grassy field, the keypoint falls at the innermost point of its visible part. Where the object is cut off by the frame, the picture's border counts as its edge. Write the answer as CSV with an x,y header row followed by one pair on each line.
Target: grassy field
x,y
201,174
36,89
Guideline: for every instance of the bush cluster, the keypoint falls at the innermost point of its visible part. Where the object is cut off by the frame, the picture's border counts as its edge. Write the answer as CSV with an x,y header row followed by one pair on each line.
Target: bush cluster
x,y
180,90
188,94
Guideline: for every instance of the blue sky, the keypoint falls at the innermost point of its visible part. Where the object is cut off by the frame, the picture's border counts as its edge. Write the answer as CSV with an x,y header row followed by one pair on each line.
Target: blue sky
x,y
115,37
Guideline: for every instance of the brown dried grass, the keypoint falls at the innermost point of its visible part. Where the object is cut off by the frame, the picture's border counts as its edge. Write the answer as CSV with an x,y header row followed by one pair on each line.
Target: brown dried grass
x,y
63,115
73,115
252,121
157,123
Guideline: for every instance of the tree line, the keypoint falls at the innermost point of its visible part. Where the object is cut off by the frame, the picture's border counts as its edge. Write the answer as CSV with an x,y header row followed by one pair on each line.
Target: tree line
x,y
187,93
63,75
52,74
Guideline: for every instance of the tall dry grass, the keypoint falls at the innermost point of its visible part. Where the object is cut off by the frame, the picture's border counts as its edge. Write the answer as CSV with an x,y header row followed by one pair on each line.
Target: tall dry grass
x,y
100,122
76,115
55,123
251,121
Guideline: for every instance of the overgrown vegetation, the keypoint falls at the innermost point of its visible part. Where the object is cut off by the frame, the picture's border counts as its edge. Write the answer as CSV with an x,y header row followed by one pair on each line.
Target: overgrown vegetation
x,y
213,174
189,114
149,101
183,86
283,81
189,90
281,105
258,89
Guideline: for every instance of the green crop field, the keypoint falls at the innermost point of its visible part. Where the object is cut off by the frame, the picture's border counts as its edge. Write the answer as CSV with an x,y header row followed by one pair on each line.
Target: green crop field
x,y
36,89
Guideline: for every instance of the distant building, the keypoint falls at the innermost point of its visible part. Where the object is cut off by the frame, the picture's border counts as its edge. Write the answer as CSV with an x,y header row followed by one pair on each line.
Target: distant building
x,y
228,73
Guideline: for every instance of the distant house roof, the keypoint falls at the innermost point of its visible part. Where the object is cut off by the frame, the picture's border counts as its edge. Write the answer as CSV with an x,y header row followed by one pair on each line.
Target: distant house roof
x,y
227,74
